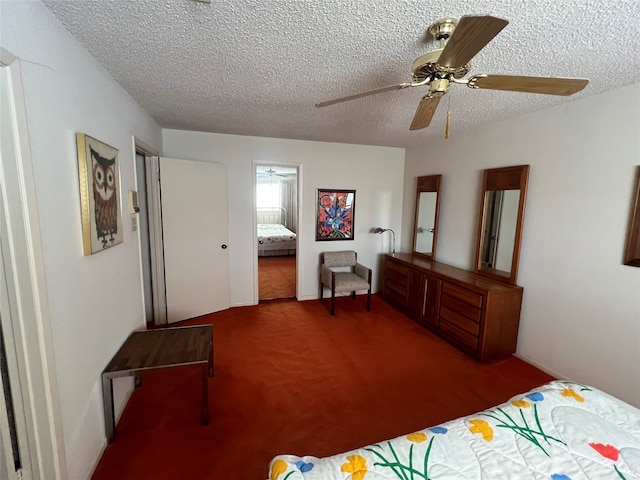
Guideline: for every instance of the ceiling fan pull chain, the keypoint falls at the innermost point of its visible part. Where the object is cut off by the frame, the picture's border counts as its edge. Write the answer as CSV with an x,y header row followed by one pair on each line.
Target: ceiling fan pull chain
x,y
446,130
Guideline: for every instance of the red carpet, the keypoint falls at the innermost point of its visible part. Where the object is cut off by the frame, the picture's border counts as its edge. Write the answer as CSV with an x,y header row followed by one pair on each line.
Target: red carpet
x,y
276,277
289,378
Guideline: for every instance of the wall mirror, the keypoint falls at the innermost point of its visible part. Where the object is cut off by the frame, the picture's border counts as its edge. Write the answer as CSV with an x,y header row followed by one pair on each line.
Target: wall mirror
x,y
632,252
502,201
425,225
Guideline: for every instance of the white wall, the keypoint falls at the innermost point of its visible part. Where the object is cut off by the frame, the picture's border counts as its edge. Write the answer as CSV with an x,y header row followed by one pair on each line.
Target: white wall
x,y
376,173
95,301
581,309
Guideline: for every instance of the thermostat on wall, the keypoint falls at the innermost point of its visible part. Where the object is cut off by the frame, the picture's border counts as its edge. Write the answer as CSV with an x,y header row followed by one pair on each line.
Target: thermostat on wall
x,y
133,202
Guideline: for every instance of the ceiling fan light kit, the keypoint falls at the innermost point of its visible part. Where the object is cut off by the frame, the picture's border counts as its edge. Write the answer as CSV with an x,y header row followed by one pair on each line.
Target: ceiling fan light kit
x,y
460,40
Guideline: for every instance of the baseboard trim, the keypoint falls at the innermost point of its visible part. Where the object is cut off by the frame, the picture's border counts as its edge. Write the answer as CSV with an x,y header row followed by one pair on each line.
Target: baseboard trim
x,y
540,366
104,444
308,297
242,304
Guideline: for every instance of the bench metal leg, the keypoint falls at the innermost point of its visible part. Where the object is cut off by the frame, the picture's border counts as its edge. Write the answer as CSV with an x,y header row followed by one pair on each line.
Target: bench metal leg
x,y
211,361
205,394
107,402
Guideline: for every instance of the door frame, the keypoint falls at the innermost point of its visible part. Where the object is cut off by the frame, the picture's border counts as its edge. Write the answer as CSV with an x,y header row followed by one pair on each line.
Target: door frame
x,y
154,218
24,272
254,170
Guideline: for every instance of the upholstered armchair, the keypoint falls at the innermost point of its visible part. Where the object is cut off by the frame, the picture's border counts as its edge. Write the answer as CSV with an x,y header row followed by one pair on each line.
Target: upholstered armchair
x,y
341,272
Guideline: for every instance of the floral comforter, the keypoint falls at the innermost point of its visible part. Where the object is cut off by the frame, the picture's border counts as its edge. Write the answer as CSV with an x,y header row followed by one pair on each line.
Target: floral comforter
x,y
274,232
561,431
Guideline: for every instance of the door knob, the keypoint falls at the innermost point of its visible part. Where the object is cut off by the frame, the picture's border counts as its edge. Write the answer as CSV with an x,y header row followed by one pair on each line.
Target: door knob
x,y
224,246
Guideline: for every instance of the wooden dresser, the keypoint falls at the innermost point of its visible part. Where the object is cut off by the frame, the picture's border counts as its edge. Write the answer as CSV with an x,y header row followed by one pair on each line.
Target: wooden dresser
x,y
478,315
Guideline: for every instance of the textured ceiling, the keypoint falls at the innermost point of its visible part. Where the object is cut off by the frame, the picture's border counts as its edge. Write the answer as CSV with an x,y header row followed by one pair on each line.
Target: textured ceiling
x,y
257,68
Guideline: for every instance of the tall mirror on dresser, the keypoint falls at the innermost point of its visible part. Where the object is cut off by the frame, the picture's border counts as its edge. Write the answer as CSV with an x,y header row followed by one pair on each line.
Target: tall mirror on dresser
x,y
502,202
425,225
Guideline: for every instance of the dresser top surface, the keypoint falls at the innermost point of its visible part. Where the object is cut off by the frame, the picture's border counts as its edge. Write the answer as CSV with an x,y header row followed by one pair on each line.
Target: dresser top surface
x,y
451,273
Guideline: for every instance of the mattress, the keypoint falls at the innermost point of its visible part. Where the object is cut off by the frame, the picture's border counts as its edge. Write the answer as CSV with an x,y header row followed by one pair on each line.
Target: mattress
x,y
275,239
560,431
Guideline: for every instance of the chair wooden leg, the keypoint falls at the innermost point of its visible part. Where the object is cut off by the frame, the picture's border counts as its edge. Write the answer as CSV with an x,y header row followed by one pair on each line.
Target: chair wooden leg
x,y
353,295
333,299
321,291
369,293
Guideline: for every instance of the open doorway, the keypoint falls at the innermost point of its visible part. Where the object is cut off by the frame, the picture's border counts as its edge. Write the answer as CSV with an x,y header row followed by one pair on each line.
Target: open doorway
x,y
277,227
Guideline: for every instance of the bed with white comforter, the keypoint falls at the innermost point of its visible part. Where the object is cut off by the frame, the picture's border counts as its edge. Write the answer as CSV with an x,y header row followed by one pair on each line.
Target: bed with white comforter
x,y
560,431
275,239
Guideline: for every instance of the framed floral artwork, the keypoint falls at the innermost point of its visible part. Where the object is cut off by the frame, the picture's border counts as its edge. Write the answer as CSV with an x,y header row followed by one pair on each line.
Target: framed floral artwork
x,y
335,213
99,172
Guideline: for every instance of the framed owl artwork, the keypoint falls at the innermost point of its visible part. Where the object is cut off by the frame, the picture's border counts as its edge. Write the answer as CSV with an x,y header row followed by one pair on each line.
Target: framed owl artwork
x,y
99,171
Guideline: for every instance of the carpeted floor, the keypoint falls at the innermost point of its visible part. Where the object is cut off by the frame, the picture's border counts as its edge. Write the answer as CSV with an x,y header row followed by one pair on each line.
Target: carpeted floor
x,y
290,378
276,277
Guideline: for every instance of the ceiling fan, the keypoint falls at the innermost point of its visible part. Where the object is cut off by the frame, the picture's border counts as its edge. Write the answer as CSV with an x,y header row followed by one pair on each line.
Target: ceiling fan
x,y
270,172
460,41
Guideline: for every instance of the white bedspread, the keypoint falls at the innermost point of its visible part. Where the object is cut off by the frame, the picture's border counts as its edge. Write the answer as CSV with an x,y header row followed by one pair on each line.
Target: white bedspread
x,y
561,431
274,233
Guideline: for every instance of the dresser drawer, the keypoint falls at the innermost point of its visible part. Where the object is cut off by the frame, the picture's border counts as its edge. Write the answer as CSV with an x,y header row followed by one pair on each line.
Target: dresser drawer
x,y
395,295
458,334
392,266
460,307
395,277
460,321
467,296
398,288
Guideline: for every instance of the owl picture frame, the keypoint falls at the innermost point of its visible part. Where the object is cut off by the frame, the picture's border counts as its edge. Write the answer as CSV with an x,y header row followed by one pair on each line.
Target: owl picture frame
x,y
100,203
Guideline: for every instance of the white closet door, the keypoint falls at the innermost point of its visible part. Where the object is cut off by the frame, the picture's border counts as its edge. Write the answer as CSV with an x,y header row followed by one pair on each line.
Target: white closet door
x,y
194,228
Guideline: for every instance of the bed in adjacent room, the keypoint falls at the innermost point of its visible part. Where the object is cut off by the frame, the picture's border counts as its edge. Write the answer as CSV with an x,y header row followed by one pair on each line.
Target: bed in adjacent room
x,y
275,239
560,431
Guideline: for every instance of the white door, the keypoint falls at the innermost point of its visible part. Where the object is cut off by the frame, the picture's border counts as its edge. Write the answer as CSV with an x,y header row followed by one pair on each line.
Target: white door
x,y
194,229
15,454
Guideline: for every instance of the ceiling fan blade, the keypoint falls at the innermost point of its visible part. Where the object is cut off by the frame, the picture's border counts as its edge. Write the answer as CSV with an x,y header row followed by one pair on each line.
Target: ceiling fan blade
x,y
365,94
424,112
544,85
471,35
